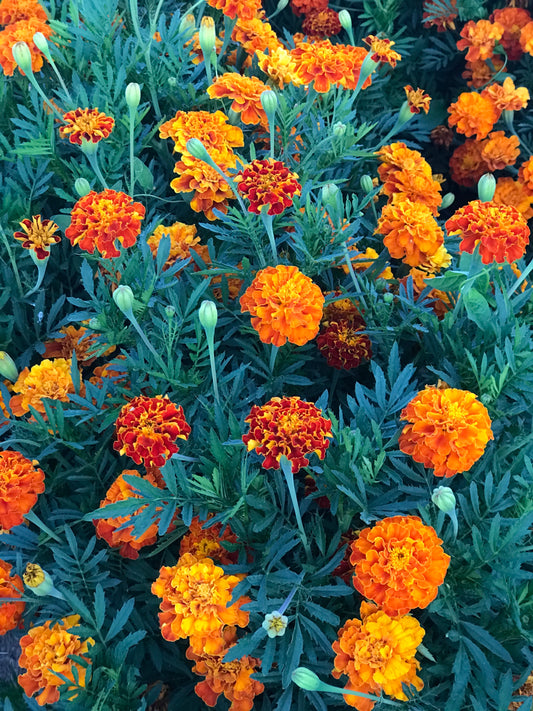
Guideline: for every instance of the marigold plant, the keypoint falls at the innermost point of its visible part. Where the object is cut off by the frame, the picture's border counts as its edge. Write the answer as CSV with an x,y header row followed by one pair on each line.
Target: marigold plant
x,y
512,19
211,190
183,238
212,129
479,39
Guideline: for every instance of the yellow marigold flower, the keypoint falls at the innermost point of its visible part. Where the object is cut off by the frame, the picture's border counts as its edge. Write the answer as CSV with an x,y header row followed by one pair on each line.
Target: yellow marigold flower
x,y
279,64
284,305
448,430
48,379
12,11
46,650
377,654
195,603
479,38
253,34
499,151
515,193
289,427
473,114
268,183
38,235
440,260
417,99
212,129
242,9
381,49
183,238
10,586
210,189
245,93
512,19
86,125
507,97
22,31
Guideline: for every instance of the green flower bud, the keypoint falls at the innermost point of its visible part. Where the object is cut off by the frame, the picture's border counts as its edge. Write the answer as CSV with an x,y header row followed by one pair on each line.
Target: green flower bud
x,y
443,498
40,41
207,37
330,195
197,149
187,24
22,56
405,114
8,369
306,679
345,19
339,129
486,187
366,183
170,311
269,101
133,95
82,187
282,4
388,298
123,298
447,200
172,82
208,314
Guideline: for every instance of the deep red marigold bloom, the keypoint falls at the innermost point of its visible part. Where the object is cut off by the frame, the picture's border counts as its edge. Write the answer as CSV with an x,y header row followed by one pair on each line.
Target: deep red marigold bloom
x,y
322,23
507,97
38,235
304,7
147,428
467,164
447,430
377,654
515,193
10,586
12,11
211,191
22,31
343,345
321,63
88,125
473,114
243,9
48,379
98,220
212,129
290,427
512,19
285,305
20,483
46,650
479,38
245,93
500,230
399,564
268,183
205,541
381,49
417,99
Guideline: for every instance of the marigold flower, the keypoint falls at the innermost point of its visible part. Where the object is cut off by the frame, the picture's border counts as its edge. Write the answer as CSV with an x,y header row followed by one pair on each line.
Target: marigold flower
x,y
500,230
245,93
507,97
211,191
525,173
212,129
45,651
48,379
147,427
20,483
284,305
353,58
12,11
38,235
479,38
88,125
290,427
322,23
473,114
268,183
279,64
183,238
514,193
381,49
98,220
10,586
320,63
73,340
243,9
467,164
417,99
448,430
481,72
22,31
377,653
195,603
304,7
434,15
253,34
343,345
499,151
526,38
512,19
205,541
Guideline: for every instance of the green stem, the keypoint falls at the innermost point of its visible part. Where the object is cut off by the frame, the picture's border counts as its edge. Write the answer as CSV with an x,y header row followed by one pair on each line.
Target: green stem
x,y
129,314
93,161
33,81
273,354
211,347
286,468
132,113
267,222
12,260
41,271
355,280
58,75
229,25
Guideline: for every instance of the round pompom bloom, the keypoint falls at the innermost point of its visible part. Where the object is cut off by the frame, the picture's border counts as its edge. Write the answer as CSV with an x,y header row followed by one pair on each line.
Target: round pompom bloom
x,y
212,129
20,483
322,63
285,305
514,193
46,650
86,125
399,564
343,345
22,31
48,379
448,430
204,541
304,7
245,93
480,73
194,603
12,11
290,427
99,220
211,191
507,97
467,164
512,19
10,586
377,654
498,151
242,9
279,64
147,428
268,183
473,114
322,23
479,38
183,238
254,35
500,231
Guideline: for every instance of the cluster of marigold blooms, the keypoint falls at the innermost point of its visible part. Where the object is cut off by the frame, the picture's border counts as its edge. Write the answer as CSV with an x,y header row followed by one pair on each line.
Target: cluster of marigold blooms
x,y
20,20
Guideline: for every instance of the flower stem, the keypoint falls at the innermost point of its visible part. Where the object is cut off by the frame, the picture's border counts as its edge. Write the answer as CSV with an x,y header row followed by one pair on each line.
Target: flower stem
x,y
355,280
132,113
286,468
93,161
41,271
267,223
211,347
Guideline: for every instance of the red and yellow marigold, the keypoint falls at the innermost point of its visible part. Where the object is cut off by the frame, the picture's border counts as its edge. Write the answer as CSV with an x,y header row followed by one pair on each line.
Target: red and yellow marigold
x,y
341,340
245,93
48,379
467,164
417,99
38,235
10,586
268,184
322,23
304,7
381,49
319,63
512,19
432,18
20,483
473,114
211,191
88,125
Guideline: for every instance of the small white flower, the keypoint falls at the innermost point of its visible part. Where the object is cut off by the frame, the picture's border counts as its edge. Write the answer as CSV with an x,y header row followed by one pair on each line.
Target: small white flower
x,y
275,624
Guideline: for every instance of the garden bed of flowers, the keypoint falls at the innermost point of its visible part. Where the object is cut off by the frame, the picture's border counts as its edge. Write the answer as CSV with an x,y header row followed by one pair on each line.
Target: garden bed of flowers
x,y
266,355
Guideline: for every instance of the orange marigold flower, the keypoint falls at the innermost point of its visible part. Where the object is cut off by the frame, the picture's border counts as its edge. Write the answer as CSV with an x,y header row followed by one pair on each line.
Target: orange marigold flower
x,y
268,183
212,129
10,586
381,49
479,38
290,427
110,529
467,164
183,238
98,220
74,340
499,151
410,231
525,173
38,235
473,114
22,31
417,99
480,72
147,427
12,11
448,430
48,379
242,9
195,603
512,19
500,231
399,564
526,38
279,64
210,189
285,305
253,34
88,125
20,483
322,23
304,7
245,93
204,541
320,63
507,97
377,654
47,650
353,58
514,193
232,679
435,16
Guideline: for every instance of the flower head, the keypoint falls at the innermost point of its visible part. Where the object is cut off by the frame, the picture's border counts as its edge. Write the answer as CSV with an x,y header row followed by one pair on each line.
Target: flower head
x,y
320,62
279,64
205,541
73,340
12,11
500,231
399,564
482,72
322,23
20,483
507,97
499,151
47,650
210,189
38,235
467,164
86,125
183,238
417,99
512,19
304,7
268,183
479,38
526,38
290,427
340,339
514,193
285,305
275,624
48,379
242,9
253,34
10,586
212,129
22,31
99,220
147,428
245,93
473,114
381,49
447,430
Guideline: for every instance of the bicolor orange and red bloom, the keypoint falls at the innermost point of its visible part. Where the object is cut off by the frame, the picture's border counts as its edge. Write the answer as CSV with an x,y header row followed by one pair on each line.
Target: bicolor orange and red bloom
x,y
48,379
381,49
341,340
473,115
512,19
377,654
447,431
212,129
204,541
433,15
467,164
10,586
268,183
500,231
21,481
417,99
507,97
147,429
290,427
47,649
322,23
195,596
211,190
245,93
22,31
183,238
399,564
479,38
100,220
515,193
285,305
243,9
38,235
89,125
12,11
498,151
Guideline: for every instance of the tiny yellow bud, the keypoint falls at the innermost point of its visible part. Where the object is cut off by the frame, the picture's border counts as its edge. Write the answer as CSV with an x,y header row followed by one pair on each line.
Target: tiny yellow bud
x,y
133,95
123,298
8,369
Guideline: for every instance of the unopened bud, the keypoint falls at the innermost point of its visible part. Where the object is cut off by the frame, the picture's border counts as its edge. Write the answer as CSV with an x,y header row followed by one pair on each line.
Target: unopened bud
x,y
447,200
405,114
339,129
330,195
366,183
170,311
388,298
486,187
443,498
207,37
172,82
8,369
345,19
197,149
306,679
133,95
187,24
37,579
82,187
22,56
269,101
208,315
40,41
123,298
